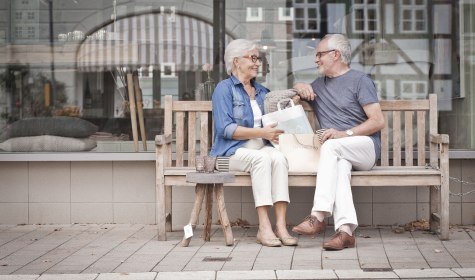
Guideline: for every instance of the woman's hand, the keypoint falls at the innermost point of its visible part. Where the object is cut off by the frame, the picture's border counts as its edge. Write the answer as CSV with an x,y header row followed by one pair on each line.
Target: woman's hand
x,y
270,133
305,91
332,134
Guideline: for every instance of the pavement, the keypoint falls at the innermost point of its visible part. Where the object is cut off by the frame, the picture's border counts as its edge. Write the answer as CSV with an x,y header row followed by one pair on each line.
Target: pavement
x,y
131,251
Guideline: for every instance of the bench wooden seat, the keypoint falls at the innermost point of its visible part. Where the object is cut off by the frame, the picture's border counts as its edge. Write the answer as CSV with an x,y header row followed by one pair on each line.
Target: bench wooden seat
x,y
188,132
378,176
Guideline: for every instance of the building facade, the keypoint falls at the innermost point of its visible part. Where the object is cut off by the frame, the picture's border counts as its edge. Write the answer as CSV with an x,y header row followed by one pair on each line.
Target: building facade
x,y
71,58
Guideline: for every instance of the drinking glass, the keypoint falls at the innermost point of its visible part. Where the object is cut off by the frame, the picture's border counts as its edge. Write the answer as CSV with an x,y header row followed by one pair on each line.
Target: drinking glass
x,y
210,163
200,164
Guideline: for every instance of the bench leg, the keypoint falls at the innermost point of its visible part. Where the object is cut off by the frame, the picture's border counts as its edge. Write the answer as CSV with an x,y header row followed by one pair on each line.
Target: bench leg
x,y
199,196
223,215
161,212
208,214
168,208
434,196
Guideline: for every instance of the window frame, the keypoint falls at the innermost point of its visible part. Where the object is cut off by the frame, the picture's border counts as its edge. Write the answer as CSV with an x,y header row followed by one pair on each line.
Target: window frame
x,y
250,17
412,8
365,7
306,6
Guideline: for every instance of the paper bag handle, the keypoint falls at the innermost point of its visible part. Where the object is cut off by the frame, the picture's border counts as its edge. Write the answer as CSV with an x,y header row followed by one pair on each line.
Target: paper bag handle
x,y
313,146
285,99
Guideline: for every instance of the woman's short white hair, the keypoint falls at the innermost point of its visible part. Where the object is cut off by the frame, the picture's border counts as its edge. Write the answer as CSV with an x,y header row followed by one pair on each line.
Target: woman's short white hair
x,y
236,48
339,42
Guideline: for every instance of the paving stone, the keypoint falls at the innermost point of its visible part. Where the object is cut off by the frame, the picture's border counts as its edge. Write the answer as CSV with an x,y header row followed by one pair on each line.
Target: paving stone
x,y
340,264
202,275
465,272
19,277
127,276
360,274
246,275
425,273
306,274
68,277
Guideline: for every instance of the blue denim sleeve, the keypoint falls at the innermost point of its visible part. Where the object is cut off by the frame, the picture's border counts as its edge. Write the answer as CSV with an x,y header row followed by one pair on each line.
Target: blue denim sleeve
x,y
223,111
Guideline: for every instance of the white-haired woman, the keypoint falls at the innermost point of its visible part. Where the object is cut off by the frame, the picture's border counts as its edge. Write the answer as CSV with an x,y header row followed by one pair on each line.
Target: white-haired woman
x,y
238,103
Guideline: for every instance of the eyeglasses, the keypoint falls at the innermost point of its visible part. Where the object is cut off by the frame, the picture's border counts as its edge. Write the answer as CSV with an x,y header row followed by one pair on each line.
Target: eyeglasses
x,y
253,58
320,54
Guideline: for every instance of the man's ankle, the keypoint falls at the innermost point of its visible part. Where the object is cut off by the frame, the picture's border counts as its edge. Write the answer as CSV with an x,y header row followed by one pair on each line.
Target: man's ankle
x,y
346,228
319,215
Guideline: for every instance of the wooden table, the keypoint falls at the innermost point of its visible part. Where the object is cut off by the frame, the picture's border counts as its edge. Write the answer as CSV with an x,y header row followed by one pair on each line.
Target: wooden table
x,y
205,184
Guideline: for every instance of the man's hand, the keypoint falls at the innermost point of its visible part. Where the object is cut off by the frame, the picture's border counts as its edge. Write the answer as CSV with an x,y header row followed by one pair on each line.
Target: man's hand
x,y
332,134
305,91
270,133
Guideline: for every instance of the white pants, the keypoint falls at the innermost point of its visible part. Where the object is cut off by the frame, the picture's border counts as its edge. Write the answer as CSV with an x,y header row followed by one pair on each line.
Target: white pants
x,y
269,171
333,190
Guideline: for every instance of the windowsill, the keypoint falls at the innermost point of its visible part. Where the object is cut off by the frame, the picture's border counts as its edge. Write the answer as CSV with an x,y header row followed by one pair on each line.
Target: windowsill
x,y
79,156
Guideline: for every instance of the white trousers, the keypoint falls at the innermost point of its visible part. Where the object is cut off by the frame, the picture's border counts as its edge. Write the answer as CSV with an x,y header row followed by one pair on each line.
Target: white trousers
x,y
269,172
333,190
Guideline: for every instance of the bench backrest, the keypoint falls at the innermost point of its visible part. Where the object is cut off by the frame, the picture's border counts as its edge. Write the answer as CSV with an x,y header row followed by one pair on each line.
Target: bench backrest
x,y
408,126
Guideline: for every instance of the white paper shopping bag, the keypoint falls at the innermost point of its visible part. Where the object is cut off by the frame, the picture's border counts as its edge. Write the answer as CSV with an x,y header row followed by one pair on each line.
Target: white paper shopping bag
x,y
301,150
292,120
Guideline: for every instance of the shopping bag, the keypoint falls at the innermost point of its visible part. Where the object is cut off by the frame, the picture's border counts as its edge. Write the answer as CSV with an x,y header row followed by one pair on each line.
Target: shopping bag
x,y
292,120
301,150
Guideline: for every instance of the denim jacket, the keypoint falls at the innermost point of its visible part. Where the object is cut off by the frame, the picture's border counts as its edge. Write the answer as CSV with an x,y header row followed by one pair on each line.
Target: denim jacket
x,y
232,108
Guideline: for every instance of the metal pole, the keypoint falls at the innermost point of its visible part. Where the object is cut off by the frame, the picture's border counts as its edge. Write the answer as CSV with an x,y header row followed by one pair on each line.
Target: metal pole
x,y
219,35
51,41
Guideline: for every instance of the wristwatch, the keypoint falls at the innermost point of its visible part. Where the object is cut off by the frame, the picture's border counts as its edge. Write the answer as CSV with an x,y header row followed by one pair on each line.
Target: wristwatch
x,y
349,132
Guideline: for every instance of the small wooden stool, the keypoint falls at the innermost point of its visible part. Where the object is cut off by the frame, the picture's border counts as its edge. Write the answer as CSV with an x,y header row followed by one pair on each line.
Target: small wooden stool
x,y
205,182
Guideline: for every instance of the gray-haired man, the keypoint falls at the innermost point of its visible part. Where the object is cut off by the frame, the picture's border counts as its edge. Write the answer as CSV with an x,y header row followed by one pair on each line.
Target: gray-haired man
x,y
346,105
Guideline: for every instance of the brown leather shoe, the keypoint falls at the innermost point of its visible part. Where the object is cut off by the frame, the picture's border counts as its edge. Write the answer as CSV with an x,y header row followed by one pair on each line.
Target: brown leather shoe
x,y
310,226
339,241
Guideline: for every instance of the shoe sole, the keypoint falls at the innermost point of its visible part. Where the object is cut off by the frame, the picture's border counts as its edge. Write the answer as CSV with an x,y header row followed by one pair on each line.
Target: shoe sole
x,y
305,233
338,249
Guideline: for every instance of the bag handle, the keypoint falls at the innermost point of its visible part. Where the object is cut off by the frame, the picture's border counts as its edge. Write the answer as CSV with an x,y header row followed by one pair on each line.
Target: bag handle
x,y
285,99
313,146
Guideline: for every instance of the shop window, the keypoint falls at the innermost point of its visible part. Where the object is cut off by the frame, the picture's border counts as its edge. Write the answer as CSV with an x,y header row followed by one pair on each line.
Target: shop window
x,y
254,14
365,16
307,16
413,16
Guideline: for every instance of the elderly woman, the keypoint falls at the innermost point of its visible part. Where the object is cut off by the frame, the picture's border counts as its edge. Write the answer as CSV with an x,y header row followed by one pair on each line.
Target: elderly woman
x,y
238,103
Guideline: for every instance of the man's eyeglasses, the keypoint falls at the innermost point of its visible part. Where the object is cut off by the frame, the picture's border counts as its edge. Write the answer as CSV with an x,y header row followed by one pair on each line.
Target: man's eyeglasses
x,y
320,54
254,58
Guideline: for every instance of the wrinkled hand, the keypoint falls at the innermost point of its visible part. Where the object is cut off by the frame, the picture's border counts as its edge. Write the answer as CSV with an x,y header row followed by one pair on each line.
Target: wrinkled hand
x,y
305,91
270,133
332,134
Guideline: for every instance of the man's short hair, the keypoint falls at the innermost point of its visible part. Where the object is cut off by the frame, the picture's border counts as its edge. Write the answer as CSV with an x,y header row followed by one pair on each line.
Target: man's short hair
x,y
340,42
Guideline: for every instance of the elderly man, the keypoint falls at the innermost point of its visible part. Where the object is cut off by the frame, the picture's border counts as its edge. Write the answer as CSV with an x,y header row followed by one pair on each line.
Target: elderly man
x,y
346,105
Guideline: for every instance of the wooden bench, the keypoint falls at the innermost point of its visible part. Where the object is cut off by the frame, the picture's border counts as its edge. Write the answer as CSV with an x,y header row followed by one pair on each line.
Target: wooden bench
x,y
188,125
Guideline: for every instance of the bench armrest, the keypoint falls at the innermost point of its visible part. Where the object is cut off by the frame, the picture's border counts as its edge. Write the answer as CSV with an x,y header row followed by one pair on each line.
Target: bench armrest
x,y
163,139
439,138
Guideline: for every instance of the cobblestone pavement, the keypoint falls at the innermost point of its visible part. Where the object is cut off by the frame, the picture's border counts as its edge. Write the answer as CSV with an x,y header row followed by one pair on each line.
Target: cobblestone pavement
x,y
113,251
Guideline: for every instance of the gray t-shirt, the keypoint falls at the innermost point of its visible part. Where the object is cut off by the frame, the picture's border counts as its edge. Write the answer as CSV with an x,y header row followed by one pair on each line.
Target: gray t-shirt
x,y
340,100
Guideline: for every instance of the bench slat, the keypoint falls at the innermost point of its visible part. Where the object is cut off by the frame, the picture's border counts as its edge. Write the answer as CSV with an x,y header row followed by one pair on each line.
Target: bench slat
x,y
404,105
385,141
196,106
396,138
180,137
408,137
191,138
421,141
204,133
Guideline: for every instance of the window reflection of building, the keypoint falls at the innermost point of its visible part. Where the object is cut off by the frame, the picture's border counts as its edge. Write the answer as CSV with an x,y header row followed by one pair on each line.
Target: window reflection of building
x,y
365,16
307,16
413,16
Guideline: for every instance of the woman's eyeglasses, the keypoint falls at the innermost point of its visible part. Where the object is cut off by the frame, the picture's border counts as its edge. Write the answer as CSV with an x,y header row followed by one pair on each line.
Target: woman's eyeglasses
x,y
320,54
253,58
